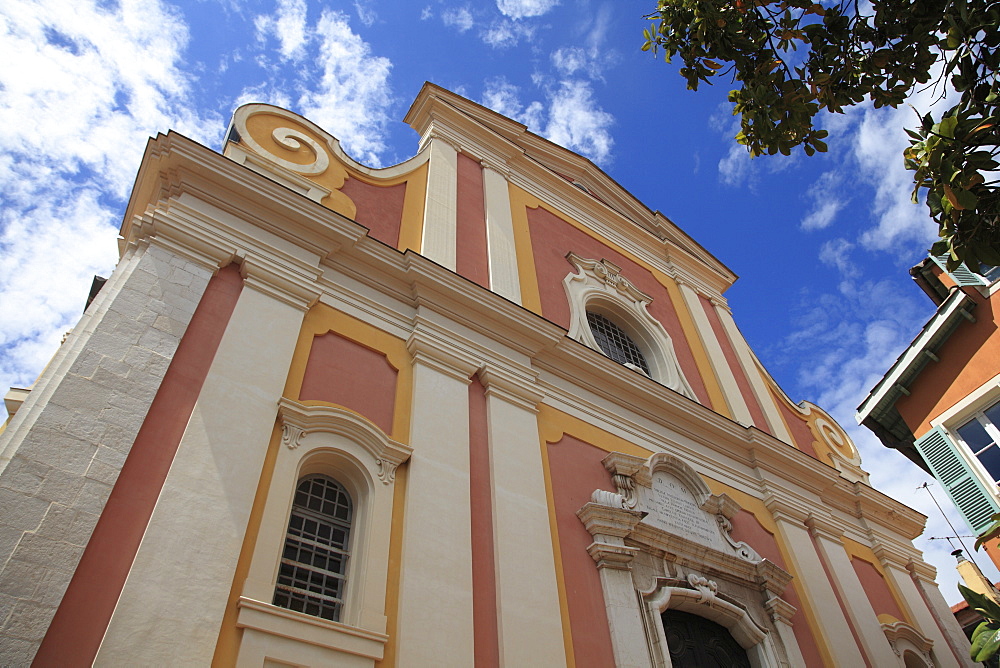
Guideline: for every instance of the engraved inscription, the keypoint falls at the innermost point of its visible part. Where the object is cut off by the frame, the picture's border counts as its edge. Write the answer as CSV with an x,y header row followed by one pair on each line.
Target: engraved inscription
x,y
673,508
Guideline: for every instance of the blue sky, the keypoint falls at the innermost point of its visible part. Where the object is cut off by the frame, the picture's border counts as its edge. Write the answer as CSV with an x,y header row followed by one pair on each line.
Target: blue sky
x,y
822,244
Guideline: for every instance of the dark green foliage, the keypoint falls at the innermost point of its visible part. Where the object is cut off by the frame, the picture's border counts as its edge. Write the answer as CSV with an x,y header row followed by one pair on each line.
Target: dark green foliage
x,y
795,58
986,638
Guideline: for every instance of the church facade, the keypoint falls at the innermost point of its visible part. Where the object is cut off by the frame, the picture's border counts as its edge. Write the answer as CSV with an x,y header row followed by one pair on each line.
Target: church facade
x,y
482,407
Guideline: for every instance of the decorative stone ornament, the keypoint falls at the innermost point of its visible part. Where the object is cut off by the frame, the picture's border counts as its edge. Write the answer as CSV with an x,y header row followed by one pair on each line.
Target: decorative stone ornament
x,y
598,286
662,541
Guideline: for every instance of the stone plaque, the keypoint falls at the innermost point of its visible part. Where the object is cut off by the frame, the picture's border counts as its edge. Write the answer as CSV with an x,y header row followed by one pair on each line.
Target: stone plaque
x,y
673,508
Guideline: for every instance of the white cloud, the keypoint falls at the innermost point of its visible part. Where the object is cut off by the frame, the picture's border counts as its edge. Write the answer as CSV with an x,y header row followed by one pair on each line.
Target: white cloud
x,y
366,13
519,9
570,60
288,25
828,198
459,18
426,13
571,117
352,96
502,97
504,34
577,122
878,144
89,87
736,167
836,253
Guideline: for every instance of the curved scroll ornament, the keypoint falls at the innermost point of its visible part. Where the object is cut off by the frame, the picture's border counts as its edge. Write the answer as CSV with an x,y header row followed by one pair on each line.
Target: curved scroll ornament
x,y
843,454
292,139
743,551
386,471
706,588
291,436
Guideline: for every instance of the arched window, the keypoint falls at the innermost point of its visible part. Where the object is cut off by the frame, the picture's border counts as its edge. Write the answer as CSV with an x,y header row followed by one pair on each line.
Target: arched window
x,y
615,343
311,578
608,313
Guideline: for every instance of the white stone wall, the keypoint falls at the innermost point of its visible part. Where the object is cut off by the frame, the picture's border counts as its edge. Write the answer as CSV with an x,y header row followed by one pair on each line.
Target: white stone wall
x,y
60,464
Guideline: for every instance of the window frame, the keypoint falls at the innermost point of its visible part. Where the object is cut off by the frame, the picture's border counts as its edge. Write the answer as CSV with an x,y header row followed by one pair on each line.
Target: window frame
x,y
344,551
992,430
598,287
340,444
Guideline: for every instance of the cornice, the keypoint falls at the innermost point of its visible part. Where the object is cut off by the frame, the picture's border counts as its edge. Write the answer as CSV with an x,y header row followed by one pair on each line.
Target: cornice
x,y
538,166
174,165
513,385
920,569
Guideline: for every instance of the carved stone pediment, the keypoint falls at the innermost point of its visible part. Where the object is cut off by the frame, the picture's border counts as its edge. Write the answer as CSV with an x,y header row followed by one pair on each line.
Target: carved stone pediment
x,y
677,501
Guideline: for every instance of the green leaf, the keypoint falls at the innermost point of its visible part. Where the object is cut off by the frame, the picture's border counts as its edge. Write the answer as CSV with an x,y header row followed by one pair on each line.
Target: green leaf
x,y
985,642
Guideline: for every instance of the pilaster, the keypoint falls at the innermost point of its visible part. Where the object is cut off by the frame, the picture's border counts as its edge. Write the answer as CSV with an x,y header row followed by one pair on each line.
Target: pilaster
x,y
894,563
831,548
68,442
774,422
781,613
923,576
180,590
441,205
529,617
435,615
609,522
504,278
806,565
727,381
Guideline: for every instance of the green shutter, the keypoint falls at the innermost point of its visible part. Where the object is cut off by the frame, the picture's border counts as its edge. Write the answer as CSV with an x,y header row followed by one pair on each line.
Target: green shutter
x,y
974,500
962,274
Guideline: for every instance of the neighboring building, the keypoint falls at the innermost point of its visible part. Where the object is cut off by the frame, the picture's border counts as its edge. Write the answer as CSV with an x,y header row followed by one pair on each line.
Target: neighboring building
x,y
479,408
939,404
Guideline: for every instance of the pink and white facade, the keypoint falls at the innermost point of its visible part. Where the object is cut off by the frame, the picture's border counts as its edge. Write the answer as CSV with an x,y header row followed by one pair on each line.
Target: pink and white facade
x,y
479,408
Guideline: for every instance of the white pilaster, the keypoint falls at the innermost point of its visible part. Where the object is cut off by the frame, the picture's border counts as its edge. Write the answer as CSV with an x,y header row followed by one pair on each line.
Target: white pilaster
x,y
530,624
752,372
435,626
734,398
859,607
923,576
441,205
500,236
176,592
609,525
893,563
833,629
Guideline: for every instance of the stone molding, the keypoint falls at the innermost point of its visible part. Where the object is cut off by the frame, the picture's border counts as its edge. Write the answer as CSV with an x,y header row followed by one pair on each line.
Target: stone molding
x,y
299,420
903,637
598,285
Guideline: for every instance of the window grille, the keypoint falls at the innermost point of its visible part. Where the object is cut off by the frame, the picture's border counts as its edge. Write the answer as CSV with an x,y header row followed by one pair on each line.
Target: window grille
x,y
615,343
311,578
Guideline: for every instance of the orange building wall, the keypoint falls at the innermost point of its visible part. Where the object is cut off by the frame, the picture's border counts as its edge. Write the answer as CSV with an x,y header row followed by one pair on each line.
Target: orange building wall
x,y
969,358
552,238
576,472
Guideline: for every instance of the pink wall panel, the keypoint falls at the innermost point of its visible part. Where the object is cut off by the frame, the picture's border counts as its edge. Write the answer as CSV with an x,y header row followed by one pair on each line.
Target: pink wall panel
x,y
348,374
